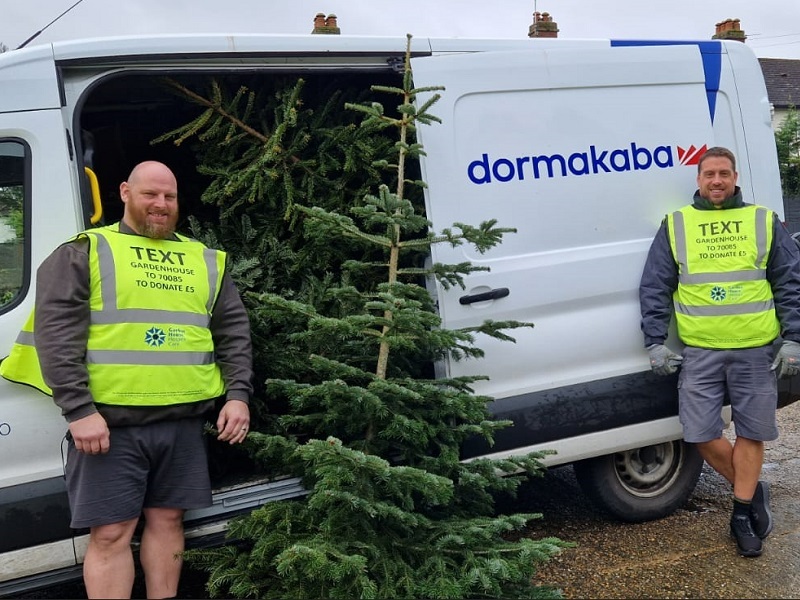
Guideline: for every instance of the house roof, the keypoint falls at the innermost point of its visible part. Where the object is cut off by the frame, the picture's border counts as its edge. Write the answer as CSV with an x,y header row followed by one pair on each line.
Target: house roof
x,y
782,77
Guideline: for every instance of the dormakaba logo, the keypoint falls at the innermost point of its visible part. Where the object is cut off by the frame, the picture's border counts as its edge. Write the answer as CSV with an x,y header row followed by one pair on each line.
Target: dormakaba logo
x,y
691,155
593,161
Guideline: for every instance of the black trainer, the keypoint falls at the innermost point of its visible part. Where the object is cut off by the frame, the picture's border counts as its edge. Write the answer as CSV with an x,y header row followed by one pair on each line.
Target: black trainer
x,y
760,514
748,542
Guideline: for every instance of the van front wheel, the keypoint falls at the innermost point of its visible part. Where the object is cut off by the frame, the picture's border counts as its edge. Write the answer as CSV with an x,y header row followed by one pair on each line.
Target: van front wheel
x,y
642,484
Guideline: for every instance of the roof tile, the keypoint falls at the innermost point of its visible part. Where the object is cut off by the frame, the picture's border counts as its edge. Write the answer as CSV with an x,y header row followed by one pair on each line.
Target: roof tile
x,y
782,77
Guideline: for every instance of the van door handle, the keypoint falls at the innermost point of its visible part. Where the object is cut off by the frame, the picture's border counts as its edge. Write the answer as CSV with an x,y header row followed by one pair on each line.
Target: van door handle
x,y
494,294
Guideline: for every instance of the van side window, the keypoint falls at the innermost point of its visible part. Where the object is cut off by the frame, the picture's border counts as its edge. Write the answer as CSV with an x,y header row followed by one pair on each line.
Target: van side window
x,y
12,221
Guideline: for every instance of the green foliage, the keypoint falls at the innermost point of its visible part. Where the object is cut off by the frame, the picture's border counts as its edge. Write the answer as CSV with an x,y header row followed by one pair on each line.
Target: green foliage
x,y
11,209
11,215
787,139
347,334
267,146
365,532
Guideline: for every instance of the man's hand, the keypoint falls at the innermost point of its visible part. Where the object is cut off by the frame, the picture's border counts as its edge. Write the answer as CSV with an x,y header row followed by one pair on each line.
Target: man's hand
x,y
90,434
787,361
233,422
663,361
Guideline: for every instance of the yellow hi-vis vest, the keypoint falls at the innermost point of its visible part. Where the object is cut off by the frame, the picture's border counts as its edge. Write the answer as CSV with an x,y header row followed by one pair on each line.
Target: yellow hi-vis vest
x,y
723,299
22,364
149,341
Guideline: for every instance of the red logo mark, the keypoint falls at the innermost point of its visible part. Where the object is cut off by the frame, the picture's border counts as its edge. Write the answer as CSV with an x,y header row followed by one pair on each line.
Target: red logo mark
x,y
691,155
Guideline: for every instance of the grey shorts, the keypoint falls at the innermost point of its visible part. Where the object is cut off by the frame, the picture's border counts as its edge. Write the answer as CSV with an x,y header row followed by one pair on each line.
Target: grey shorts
x,y
705,378
160,465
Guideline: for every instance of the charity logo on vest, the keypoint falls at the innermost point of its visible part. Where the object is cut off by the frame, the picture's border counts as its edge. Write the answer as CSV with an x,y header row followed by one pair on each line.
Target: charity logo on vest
x,y
156,337
730,294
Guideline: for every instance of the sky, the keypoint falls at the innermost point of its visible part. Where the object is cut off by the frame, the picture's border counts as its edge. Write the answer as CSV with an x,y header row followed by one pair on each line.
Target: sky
x,y
772,27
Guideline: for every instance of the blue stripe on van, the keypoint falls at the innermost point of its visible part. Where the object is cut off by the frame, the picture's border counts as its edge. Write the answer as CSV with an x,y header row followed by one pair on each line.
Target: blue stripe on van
x,y
711,52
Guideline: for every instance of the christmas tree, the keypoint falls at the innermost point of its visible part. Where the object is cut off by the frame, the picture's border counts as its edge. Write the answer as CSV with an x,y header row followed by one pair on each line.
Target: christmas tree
x,y
347,335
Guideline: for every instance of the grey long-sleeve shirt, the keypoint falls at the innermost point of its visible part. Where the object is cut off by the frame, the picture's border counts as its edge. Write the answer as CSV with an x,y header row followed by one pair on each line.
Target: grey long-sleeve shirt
x,y
61,332
660,280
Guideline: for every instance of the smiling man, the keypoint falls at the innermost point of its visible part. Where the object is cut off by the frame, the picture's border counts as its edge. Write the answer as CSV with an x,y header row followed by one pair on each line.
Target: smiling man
x,y
138,331
730,272
151,200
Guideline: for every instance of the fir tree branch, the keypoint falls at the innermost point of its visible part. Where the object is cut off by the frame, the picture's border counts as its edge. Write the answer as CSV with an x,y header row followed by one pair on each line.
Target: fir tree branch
x,y
216,107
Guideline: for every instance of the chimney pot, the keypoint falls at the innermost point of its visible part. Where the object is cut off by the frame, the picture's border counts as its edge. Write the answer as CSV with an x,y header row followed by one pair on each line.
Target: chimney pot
x,y
543,26
325,25
729,29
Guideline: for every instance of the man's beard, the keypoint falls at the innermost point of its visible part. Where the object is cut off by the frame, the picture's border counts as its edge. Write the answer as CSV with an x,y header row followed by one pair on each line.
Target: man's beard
x,y
158,231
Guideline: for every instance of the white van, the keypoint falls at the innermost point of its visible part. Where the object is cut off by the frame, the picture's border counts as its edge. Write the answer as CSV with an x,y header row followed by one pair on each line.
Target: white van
x,y
582,145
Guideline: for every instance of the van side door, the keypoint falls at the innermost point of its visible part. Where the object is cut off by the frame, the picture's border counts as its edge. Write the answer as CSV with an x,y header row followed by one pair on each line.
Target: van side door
x,y
37,212
583,151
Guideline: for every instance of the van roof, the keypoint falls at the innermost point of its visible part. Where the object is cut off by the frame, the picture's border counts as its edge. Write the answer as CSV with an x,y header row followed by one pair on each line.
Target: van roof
x,y
35,67
229,43
121,47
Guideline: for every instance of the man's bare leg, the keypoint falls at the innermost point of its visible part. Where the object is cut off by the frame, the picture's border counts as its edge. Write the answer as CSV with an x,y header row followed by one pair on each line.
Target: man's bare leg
x,y
719,454
108,569
160,553
739,463
748,457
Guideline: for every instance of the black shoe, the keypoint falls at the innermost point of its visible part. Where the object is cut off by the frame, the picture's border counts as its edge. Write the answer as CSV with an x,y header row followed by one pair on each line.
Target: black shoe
x,y
748,542
760,514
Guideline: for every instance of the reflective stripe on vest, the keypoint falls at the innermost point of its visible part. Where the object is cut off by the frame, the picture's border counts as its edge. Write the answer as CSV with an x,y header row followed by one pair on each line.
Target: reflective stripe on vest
x,y
22,364
723,299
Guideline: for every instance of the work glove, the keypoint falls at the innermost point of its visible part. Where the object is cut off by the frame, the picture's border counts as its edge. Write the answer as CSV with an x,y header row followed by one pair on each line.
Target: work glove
x,y
787,361
664,361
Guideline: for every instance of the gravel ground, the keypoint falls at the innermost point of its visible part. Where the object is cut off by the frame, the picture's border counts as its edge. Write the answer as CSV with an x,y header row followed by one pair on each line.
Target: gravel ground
x,y
687,555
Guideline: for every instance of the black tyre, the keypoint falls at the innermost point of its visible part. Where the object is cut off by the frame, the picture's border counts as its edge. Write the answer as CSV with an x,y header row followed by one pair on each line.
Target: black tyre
x,y
644,483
